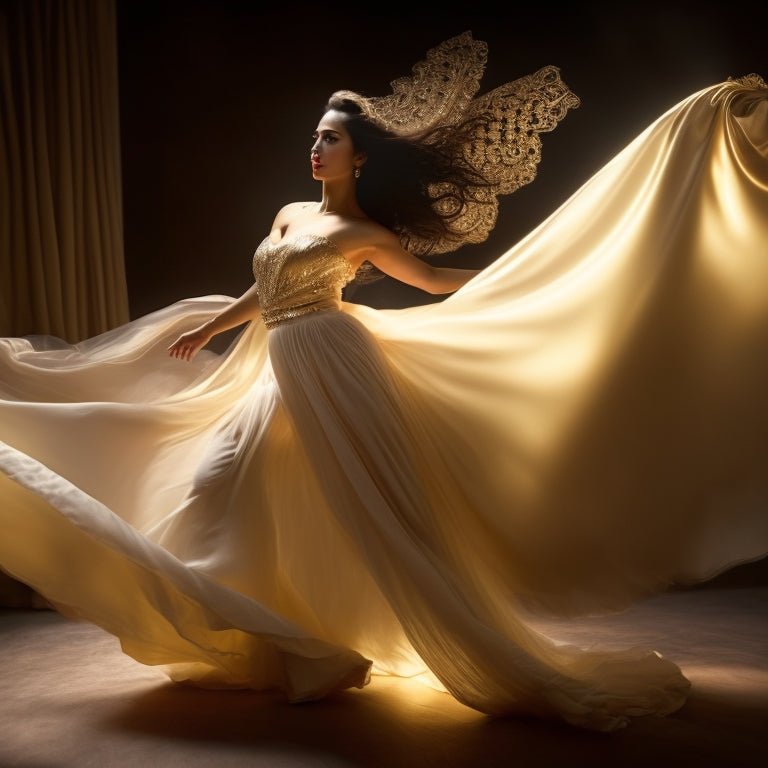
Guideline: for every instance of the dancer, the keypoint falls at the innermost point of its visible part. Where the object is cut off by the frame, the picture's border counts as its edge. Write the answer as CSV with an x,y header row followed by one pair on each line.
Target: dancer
x,y
348,491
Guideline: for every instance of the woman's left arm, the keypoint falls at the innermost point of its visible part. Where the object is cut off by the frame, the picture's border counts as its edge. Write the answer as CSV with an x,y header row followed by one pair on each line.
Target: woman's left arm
x,y
396,262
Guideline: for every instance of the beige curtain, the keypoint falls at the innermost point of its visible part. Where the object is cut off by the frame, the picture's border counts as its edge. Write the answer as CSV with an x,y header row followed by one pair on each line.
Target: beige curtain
x,y
61,232
61,228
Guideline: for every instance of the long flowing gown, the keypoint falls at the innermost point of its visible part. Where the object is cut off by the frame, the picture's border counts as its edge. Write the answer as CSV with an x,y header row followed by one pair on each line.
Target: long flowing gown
x,y
349,491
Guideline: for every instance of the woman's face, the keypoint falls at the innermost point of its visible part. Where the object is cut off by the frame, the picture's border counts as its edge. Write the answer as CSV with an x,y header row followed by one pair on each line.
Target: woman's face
x,y
333,154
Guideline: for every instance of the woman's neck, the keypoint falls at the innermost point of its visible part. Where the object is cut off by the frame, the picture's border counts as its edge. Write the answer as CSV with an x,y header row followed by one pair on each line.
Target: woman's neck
x,y
340,200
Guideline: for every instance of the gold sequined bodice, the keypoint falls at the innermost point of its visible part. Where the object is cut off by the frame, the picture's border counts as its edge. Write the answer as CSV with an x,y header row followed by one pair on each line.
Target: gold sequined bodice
x,y
299,275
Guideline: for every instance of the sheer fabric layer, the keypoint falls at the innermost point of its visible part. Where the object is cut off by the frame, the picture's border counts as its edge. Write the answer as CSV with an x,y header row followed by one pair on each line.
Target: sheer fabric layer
x,y
578,427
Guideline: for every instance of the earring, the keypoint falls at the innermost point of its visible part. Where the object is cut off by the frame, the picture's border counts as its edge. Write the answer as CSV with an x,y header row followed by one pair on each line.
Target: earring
x,y
356,173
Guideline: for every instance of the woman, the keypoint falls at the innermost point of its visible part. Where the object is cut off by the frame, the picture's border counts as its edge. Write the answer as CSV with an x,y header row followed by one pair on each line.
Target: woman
x,y
348,491
337,161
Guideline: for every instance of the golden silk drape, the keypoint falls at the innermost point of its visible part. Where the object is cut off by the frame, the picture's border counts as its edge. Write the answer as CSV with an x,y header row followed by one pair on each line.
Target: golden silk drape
x,y
406,492
61,229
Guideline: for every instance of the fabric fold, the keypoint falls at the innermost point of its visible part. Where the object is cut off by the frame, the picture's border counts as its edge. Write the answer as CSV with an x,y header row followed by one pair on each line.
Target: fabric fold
x,y
403,492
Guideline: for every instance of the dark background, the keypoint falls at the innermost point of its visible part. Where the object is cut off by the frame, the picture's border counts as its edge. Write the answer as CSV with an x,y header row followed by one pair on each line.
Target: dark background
x,y
219,101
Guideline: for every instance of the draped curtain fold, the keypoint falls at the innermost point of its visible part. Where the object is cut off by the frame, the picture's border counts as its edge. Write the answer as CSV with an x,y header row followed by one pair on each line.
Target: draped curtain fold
x,y
61,223
62,266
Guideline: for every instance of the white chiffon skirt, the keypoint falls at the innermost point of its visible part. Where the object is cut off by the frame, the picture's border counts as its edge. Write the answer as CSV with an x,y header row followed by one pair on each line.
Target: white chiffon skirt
x,y
403,491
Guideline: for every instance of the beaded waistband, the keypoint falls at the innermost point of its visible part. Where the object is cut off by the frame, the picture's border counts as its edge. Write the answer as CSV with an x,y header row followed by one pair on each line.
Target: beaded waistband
x,y
273,317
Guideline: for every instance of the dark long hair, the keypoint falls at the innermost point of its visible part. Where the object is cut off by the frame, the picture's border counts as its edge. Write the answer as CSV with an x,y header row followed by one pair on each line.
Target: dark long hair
x,y
411,184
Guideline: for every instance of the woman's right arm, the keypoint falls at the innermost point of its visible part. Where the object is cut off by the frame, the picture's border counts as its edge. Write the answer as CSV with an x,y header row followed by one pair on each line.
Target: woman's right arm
x,y
243,310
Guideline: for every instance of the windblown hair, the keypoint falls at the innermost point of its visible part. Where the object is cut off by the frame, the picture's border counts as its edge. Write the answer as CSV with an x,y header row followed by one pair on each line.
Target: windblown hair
x,y
414,185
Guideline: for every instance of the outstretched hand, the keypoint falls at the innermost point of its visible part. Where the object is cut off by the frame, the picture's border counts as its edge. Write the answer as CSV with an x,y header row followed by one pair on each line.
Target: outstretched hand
x,y
189,344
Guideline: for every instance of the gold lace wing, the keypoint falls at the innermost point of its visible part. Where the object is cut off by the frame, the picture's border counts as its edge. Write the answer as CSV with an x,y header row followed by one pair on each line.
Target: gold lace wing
x,y
501,142
507,121
496,134
439,90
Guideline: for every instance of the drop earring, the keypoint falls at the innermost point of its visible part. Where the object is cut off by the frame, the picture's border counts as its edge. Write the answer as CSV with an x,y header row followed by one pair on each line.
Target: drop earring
x,y
356,173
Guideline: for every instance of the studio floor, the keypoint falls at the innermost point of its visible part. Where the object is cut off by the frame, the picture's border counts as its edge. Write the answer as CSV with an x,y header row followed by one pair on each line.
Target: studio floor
x,y
69,697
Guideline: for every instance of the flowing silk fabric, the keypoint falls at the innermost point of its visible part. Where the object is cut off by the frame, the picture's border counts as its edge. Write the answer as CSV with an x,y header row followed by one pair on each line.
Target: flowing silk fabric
x,y
403,491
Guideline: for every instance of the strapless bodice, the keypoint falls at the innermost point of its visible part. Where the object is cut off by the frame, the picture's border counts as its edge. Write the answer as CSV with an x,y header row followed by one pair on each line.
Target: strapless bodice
x,y
298,275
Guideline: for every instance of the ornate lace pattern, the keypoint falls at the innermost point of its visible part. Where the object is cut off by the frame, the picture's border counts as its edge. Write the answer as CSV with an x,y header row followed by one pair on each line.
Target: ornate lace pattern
x,y
496,134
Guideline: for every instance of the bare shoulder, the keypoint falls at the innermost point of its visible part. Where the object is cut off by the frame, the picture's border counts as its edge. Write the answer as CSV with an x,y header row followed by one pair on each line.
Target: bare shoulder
x,y
289,212
362,238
